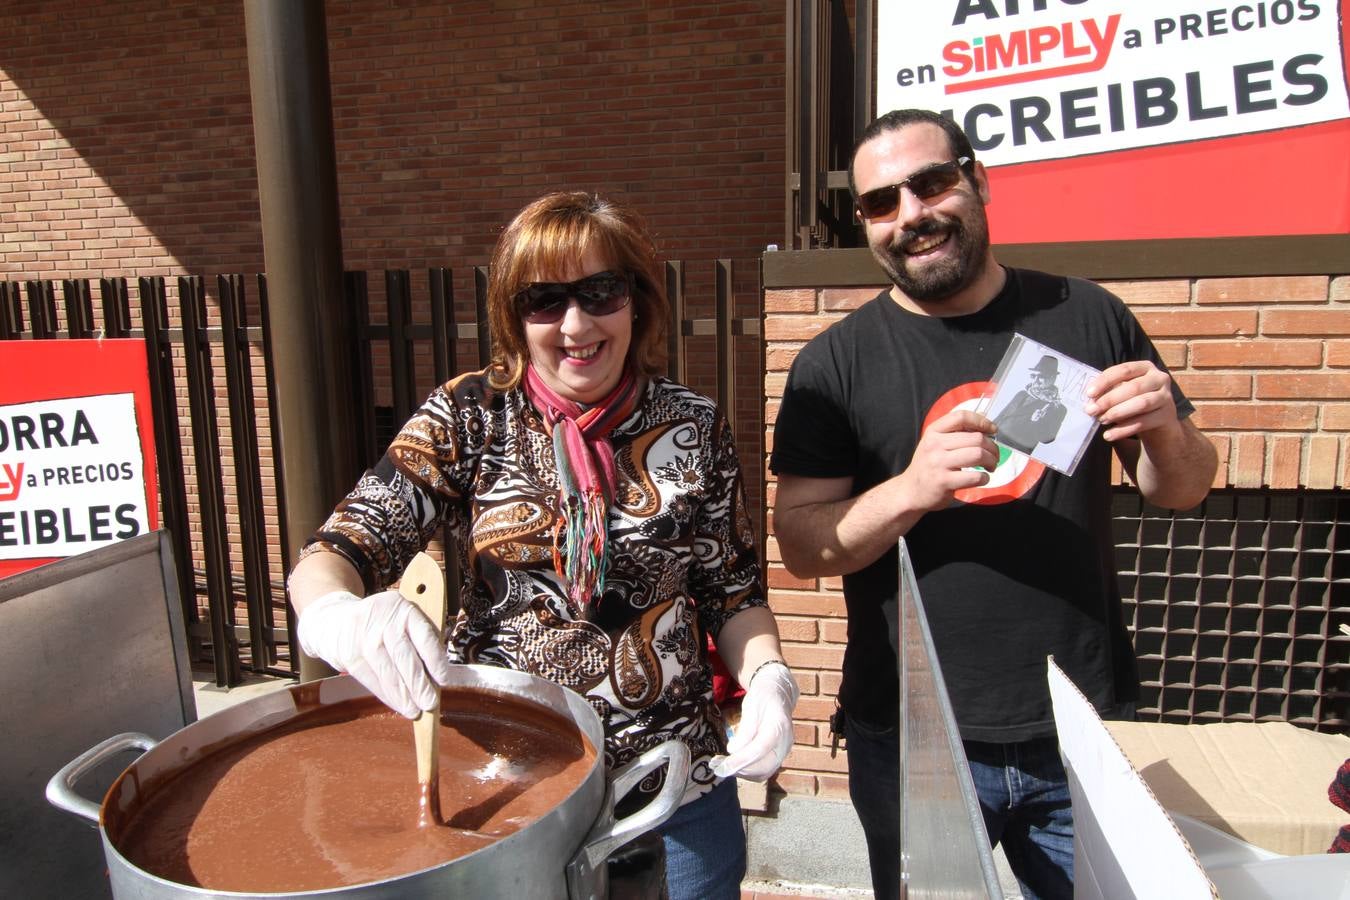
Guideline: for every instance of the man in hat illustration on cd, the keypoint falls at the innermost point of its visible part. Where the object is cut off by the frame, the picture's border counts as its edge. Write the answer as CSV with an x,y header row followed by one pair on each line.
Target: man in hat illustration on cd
x,y
1035,414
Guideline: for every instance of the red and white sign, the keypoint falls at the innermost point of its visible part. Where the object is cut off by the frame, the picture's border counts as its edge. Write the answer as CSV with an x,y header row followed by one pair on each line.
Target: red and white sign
x,y
1130,119
77,462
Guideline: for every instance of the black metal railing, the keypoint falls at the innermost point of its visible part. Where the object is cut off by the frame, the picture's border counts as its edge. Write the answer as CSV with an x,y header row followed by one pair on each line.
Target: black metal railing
x,y
211,388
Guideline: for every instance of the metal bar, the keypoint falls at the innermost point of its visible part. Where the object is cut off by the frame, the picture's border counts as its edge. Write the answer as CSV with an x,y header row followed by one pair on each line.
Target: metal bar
x,y
11,311
480,303
398,301
675,365
289,87
210,495
864,66
247,477
726,345
278,475
793,114
116,307
42,309
442,323
356,287
79,308
168,441
808,121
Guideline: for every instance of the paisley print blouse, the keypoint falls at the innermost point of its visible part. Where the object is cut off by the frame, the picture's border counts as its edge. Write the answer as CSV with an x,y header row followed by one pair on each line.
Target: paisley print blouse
x,y
682,553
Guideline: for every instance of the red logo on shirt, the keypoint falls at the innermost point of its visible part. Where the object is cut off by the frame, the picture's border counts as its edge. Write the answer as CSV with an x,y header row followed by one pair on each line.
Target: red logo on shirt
x,y
1016,472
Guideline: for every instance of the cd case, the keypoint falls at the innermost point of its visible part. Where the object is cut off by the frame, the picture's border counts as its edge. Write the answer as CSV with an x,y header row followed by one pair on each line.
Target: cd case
x,y
1037,403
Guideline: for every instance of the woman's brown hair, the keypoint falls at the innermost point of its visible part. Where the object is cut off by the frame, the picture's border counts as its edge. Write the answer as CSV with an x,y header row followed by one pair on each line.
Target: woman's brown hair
x,y
548,237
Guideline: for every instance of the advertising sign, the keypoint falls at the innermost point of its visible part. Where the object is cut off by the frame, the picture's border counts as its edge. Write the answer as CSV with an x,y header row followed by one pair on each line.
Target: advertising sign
x,y
77,463
1130,119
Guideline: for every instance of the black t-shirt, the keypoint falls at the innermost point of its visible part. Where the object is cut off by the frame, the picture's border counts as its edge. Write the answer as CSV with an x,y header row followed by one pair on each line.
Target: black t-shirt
x,y
1023,568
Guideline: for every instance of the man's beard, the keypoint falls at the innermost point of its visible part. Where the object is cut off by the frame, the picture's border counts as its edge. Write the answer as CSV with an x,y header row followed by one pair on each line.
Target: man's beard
x,y
938,281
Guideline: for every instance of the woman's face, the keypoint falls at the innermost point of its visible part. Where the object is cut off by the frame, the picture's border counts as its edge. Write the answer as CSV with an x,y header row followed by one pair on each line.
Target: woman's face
x,y
581,356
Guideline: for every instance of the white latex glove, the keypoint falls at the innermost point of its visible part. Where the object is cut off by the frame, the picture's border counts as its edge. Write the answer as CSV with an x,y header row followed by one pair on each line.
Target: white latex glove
x,y
764,735
383,641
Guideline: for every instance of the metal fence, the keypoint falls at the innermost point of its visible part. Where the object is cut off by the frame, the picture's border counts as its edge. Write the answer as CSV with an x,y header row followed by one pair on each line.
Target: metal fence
x,y
208,347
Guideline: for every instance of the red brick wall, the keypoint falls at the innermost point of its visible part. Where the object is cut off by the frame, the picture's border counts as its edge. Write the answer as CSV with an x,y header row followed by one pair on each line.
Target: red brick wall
x,y
128,138
1266,361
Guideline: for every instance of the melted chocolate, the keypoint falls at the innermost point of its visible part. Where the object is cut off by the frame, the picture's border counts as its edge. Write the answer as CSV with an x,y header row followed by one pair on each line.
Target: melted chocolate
x,y
331,798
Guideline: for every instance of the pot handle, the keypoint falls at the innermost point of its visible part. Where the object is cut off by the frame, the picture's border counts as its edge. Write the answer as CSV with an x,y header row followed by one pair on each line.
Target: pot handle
x,y
608,834
61,789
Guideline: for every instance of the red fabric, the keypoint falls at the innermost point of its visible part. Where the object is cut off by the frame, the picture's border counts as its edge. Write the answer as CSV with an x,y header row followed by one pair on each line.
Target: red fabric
x,y
1339,794
725,686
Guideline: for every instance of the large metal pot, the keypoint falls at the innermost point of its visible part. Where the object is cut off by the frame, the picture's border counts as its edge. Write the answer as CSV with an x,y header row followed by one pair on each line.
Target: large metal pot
x,y
560,855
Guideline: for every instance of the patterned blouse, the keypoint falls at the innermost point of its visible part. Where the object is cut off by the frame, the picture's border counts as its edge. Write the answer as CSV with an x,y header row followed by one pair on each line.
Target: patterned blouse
x,y
682,553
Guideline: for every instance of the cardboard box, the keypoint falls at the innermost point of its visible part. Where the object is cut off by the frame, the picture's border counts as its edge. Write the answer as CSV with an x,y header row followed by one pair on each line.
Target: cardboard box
x,y
1127,846
1265,783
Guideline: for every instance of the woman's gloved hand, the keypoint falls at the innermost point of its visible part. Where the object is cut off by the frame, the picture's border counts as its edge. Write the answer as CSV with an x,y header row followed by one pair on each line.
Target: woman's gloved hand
x,y
764,736
382,641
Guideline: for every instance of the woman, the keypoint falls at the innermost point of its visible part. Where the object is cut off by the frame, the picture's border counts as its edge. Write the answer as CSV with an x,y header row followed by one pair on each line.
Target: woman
x,y
600,525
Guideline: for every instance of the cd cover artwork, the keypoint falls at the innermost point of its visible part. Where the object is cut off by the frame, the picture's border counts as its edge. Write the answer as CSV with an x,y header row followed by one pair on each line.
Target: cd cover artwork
x,y
1037,404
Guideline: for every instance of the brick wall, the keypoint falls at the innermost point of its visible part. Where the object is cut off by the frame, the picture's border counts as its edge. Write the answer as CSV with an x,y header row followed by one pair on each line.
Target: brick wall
x,y
1266,361
126,137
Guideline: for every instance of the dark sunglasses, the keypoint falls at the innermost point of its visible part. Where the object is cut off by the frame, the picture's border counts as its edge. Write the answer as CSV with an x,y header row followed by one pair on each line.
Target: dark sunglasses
x,y
545,302
923,184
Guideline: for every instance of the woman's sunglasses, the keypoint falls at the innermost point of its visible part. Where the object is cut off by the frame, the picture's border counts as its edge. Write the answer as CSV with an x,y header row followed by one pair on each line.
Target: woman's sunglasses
x,y
923,184
545,302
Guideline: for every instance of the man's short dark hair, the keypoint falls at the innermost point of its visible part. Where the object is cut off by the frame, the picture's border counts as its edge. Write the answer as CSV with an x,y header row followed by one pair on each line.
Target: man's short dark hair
x,y
900,118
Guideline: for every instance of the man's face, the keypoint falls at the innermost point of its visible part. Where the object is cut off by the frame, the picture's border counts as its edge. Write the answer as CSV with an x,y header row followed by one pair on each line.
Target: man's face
x,y
934,248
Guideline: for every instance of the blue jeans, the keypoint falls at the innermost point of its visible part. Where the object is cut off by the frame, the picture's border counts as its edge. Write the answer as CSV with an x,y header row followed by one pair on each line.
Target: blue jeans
x,y
705,847
1023,792
874,788
1024,795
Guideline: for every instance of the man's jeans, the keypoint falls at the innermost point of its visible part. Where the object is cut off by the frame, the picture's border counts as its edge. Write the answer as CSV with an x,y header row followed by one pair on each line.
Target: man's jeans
x,y
1024,796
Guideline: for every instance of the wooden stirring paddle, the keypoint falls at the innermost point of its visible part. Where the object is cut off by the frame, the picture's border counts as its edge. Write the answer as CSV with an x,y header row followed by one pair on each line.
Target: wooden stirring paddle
x,y
423,585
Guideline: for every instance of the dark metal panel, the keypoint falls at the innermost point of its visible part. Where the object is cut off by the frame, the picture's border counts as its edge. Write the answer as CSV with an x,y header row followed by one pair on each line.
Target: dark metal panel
x,y
443,329
168,444
278,475
675,365
247,475
90,646
79,308
116,307
398,302
480,301
864,66
726,347
11,311
210,494
42,309
356,287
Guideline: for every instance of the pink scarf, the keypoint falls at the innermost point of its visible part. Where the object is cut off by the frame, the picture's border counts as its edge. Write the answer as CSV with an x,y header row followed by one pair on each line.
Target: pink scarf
x,y
586,475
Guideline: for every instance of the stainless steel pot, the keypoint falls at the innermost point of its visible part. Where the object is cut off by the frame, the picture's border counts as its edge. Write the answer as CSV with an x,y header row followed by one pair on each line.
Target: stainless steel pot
x,y
561,855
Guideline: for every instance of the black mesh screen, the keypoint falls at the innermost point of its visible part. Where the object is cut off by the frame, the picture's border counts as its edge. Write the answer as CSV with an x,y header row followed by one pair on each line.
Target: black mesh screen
x,y
1238,607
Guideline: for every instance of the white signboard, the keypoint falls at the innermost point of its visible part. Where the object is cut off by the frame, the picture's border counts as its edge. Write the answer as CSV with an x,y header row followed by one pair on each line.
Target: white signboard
x,y
1032,80
71,476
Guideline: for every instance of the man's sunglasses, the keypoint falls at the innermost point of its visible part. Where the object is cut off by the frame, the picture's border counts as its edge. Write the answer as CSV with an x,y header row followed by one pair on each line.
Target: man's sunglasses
x,y
545,302
923,184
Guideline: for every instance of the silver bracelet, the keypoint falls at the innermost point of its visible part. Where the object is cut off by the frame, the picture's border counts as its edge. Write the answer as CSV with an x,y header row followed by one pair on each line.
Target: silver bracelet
x,y
767,662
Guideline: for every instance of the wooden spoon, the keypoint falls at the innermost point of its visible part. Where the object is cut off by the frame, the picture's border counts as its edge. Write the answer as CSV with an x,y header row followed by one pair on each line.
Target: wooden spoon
x,y
423,585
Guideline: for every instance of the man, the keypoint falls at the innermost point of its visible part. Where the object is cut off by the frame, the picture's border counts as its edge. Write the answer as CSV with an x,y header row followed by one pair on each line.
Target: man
x,y
1035,414
876,439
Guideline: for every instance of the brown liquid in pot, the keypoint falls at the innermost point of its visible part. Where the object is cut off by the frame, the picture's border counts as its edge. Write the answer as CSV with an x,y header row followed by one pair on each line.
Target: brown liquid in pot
x,y
331,798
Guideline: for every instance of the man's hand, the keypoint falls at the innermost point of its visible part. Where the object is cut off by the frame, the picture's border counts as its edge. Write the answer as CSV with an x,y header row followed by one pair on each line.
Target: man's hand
x,y
1131,398
382,641
953,454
